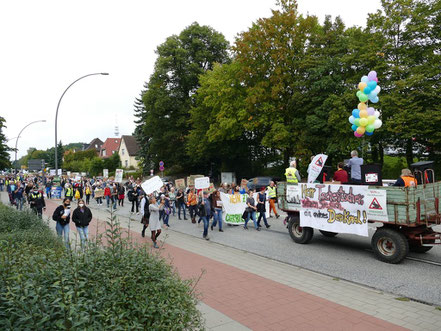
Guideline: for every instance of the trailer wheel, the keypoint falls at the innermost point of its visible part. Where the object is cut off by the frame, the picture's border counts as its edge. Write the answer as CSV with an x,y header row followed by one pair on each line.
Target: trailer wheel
x,y
328,233
390,245
301,235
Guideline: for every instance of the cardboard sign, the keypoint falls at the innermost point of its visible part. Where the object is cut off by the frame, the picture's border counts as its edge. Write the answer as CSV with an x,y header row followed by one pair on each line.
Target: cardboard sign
x,y
191,179
180,183
151,185
119,175
244,183
211,189
99,193
202,183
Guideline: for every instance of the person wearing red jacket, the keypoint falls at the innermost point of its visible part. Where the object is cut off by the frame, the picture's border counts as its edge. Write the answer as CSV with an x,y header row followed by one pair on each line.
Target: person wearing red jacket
x,y
107,195
341,175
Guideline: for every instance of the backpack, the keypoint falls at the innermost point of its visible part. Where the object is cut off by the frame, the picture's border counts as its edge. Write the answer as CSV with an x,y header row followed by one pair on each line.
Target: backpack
x,y
77,194
130,195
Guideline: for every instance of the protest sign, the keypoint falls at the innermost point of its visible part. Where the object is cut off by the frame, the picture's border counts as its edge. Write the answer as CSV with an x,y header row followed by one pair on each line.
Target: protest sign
x,y
335,208
151,185
191,179
99,193
180,183
293,193
105,173
235,205
211,189
119,175
202,183
52,172
77,178
316,166
244,183
376,205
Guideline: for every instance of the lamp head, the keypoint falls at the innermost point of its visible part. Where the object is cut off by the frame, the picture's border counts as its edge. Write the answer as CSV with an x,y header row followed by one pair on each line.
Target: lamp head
x,y
105,73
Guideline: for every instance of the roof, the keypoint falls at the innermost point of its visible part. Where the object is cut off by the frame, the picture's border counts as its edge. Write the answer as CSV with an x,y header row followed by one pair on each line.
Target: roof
x,y
96,141
131,145
111,145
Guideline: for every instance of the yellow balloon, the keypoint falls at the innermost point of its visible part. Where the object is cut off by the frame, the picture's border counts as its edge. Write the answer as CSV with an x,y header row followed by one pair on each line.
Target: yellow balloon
x,y
371,119
363,114
363,122
362,106
361,86
361,130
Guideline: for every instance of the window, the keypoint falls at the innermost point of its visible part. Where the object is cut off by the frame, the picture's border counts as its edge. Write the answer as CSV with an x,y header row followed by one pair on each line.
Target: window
x,y
122,151
126,163
104,152
113,152
96,145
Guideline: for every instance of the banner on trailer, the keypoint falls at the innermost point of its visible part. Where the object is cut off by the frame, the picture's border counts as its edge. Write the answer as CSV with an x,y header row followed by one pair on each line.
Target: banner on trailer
x,y
119,175
335,208
235,205
376,205
316,166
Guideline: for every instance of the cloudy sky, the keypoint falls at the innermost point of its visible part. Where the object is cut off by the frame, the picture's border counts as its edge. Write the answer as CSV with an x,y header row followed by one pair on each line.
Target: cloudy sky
x,y
46,45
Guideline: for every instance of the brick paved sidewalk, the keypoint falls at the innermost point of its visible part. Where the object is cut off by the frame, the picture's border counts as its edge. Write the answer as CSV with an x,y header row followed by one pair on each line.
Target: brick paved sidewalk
x,y
245,293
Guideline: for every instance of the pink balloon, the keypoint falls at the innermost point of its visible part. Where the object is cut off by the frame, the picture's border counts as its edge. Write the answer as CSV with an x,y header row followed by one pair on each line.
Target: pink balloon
x,y
372,75
376,79
357,134
371,111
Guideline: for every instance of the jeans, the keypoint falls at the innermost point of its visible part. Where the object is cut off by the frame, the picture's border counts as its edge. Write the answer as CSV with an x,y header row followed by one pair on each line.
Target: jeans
x,y
84,234
19,203
99,201
181,205
87,199
1,187
165,218
206,220
217,217
114,199
193,211
135,203
173,207
251,214
262,215
108,201
63,229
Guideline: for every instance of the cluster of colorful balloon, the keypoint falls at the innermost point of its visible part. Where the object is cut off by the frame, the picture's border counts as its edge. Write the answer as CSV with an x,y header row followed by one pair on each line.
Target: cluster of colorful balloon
x,y
365,119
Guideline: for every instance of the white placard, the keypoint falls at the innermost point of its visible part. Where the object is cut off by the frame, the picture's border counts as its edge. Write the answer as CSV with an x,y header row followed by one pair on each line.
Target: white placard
x,y
119,175
105,173
67,212
151,185
376,202
293,194
68,173
316,166
60,172
335,208
52,172
202,183
77,178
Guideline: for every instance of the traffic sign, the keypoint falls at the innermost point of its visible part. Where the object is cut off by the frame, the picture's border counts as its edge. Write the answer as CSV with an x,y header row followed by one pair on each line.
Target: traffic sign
x,y
161,163
161,168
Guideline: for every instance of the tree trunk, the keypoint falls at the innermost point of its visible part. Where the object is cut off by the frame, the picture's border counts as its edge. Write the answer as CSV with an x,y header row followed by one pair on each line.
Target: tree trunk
x,y
409,152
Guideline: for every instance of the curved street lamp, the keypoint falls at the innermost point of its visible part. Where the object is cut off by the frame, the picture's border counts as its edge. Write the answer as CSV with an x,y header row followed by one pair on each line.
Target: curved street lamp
x,y
56,115
16,141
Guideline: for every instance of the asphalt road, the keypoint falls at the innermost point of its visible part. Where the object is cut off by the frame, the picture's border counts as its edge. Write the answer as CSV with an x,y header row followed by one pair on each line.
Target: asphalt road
x,y
346,257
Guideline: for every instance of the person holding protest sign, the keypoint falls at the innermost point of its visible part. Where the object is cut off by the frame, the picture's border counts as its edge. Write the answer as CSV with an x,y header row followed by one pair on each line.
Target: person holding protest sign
x,y
217,207
154,222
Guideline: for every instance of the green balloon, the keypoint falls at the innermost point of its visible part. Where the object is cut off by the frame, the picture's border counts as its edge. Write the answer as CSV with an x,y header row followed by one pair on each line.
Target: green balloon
x,y
363,97
370,128
358,93
357,122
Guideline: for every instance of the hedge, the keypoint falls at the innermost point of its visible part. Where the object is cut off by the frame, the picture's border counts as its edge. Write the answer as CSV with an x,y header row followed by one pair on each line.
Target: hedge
x,y
116,287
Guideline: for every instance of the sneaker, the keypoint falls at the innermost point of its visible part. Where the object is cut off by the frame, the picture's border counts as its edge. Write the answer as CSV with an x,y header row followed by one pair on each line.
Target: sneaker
x,y
258,225
207,238
245,227
220,230
211,228
143,235
155,245
270,216
258,229
185,219
268,226
137,213
277,216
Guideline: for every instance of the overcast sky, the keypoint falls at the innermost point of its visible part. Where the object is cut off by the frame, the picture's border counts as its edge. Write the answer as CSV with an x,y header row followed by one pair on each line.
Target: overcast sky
x,y
46,45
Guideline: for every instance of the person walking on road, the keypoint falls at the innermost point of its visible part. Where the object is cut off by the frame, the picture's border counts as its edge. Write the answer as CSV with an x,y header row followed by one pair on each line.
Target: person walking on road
x,y
69,192
251,210
217,207
272,194
121,195
82,216
154,223
192,204
205,213
62,216
180,199
36,202
107,195
145,212
19,196
87,192
261,200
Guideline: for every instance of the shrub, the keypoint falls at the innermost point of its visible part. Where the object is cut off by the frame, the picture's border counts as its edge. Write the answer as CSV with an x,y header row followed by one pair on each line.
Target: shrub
x,y
118,286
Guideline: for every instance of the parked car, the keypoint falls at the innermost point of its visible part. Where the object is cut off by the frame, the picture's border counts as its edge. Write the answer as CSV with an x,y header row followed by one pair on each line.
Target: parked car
x,y
257,183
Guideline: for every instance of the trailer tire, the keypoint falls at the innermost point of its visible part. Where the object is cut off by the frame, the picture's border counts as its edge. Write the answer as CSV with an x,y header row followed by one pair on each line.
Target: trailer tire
x,y
301,235
328,233
390,245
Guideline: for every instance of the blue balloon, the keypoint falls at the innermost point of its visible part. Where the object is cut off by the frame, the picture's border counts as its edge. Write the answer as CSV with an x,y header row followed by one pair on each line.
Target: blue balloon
x,y
356,113
374,99
372,85
354,127
369,133
367,90
365,79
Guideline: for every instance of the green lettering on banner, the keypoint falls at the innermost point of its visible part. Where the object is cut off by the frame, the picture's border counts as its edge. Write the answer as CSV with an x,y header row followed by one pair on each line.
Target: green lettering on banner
x,y
234,218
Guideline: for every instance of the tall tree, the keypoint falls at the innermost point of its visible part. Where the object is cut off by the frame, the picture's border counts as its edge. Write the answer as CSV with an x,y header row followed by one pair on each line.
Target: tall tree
x,y
4,149
168,96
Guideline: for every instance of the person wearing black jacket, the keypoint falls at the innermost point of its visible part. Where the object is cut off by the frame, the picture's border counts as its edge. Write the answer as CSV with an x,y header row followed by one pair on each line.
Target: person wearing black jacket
x,y
36,201
82,216
61,215
145,212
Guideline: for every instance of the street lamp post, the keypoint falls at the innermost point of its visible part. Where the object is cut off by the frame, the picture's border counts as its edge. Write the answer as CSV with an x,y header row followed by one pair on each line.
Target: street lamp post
x,y
16,141
56,115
